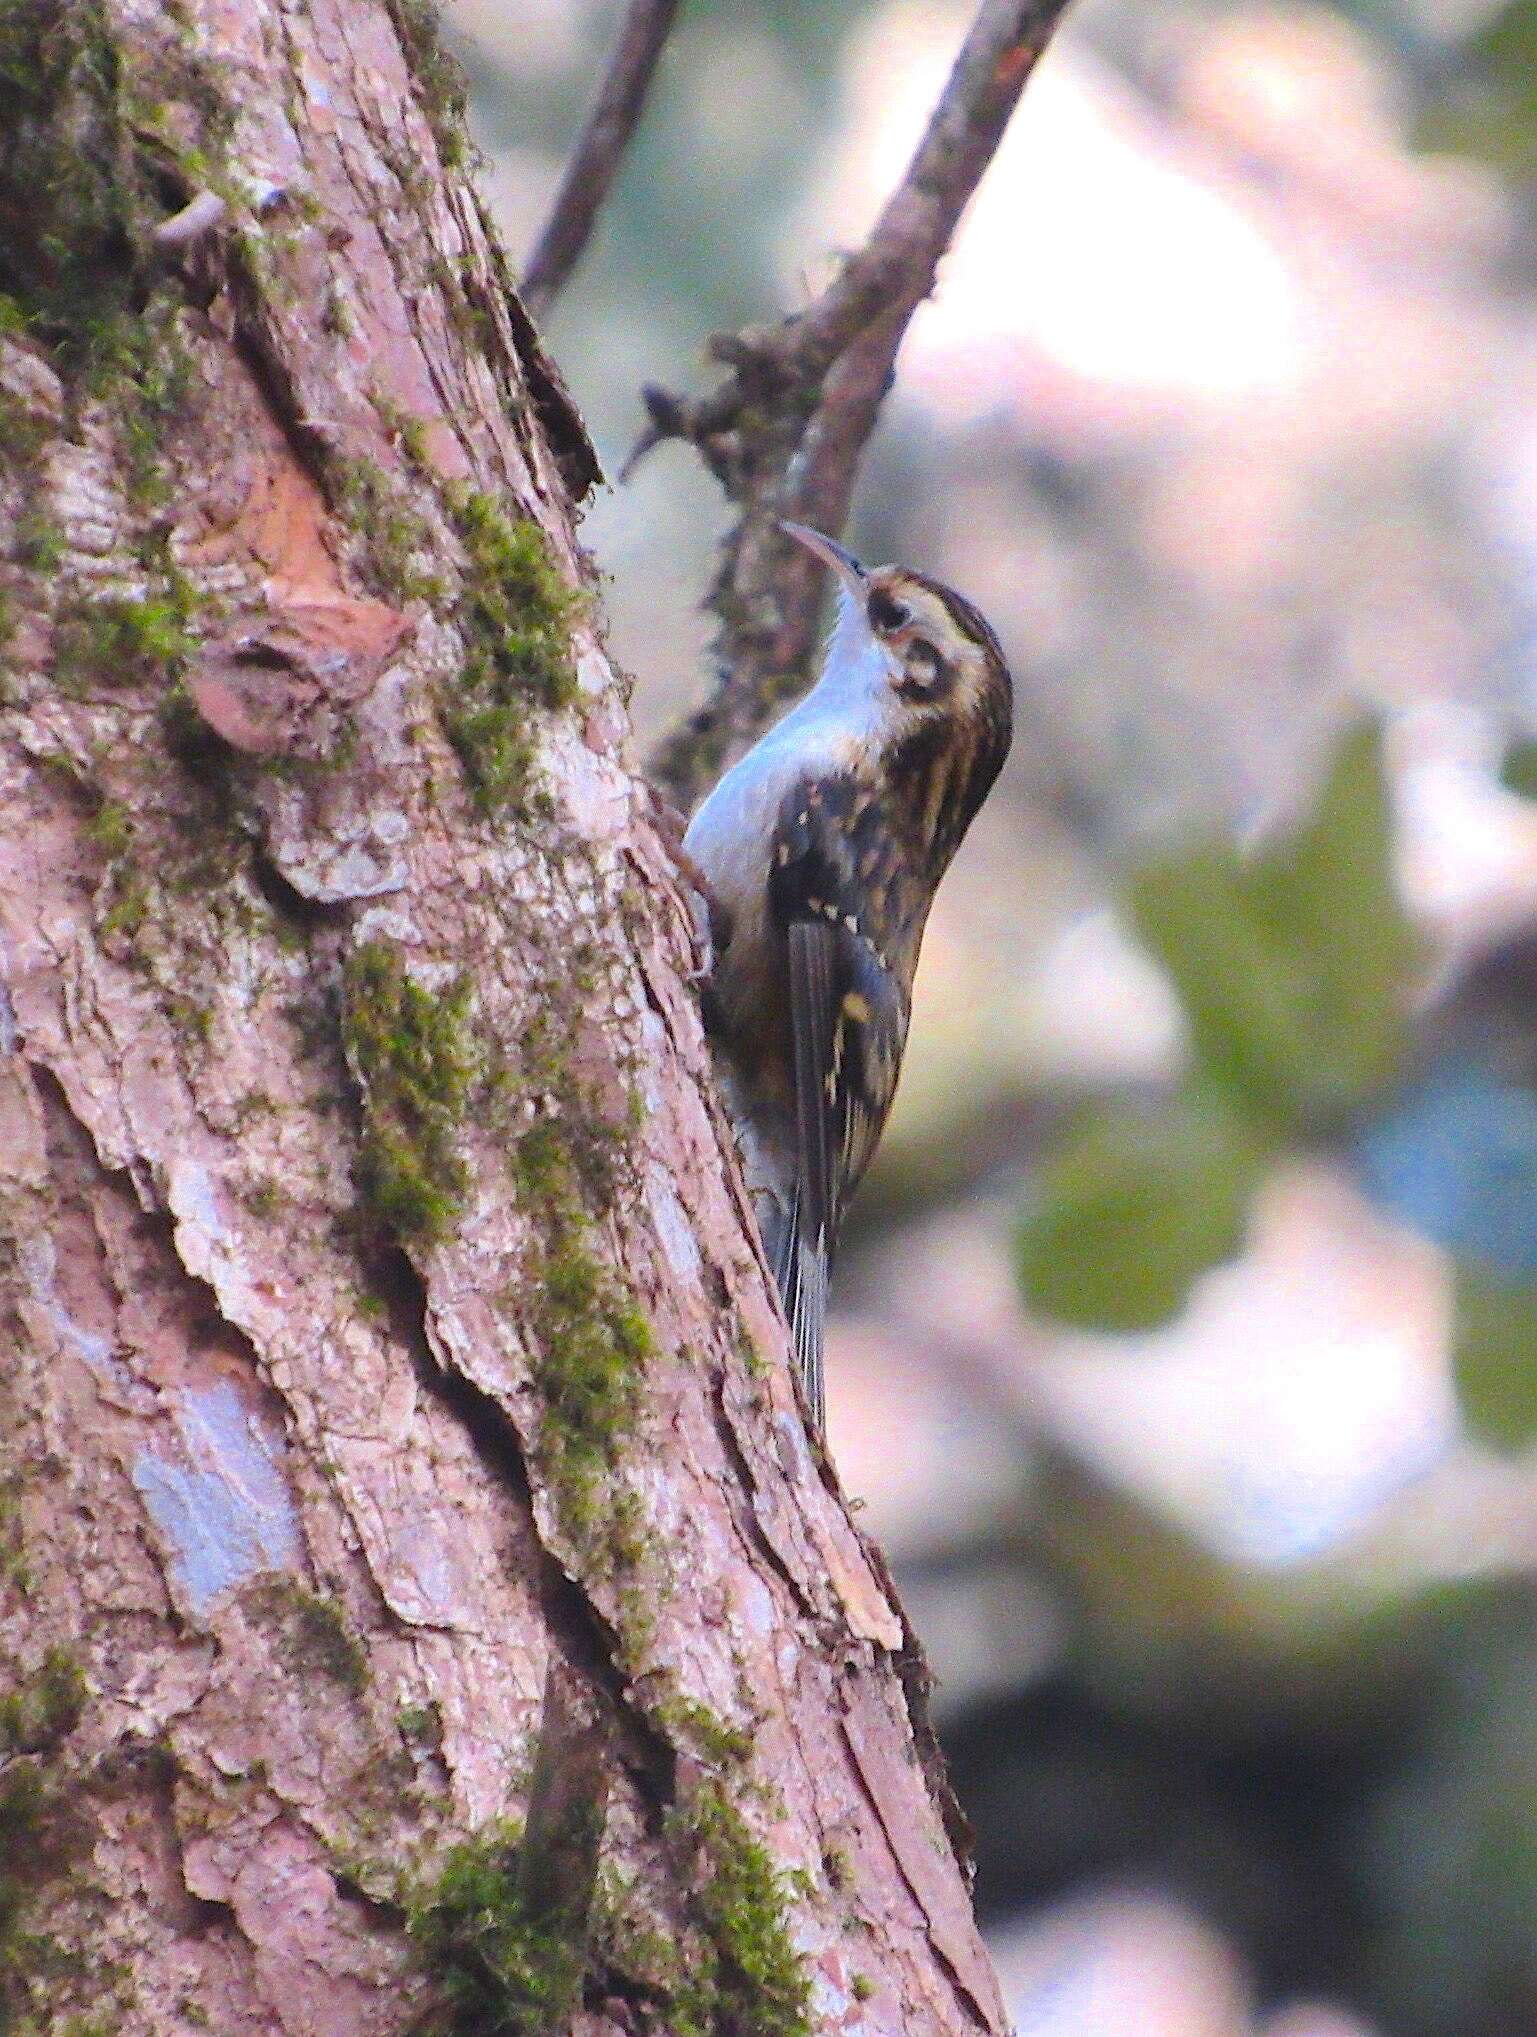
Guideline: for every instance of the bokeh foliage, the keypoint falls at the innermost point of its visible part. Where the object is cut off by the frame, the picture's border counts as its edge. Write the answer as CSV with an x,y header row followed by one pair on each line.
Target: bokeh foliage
x,y
1297,971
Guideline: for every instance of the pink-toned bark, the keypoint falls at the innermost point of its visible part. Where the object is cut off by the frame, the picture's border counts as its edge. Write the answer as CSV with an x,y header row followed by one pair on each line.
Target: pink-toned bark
x,y
280,1488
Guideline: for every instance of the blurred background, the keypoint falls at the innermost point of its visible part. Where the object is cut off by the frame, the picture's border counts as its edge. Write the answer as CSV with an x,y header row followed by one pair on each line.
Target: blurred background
x,y
1186,1336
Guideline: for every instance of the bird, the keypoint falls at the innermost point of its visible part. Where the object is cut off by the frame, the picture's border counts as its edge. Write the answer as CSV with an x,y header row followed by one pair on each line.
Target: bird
x,y
820,852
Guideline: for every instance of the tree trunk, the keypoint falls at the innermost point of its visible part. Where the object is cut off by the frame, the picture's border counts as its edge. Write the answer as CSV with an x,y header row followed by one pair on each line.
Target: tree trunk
x,y
421,1607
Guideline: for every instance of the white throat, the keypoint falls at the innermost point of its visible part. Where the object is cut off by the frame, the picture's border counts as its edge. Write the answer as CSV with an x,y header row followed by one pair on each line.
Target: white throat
x,y
853,694
839,721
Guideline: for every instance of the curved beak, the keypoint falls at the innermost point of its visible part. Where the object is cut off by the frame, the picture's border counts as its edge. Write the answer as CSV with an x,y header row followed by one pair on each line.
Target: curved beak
x,y
851,574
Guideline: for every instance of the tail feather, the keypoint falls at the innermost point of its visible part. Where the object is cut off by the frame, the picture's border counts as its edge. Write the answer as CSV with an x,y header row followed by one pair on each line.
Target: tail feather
x,y
806,1323
800,1268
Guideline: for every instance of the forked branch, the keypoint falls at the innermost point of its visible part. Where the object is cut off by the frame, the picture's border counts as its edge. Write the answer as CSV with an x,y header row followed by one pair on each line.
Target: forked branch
x,y
784,431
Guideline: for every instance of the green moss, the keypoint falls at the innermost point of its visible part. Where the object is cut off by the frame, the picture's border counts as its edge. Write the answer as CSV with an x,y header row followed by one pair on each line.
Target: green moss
x,y
23,431
500,1970
440,80
394,535
15,1570
140,362
82,185
753,1982
109,827
412,1052
44,1707
68,170
588,1339
410,432
861,1987
711,1735
629,1537
39,542
337,317
114,640
316,1636
192,1020
591,1349
264,1199
516,614
24,1804
591,1344
42,1828
422,1723
627,1943
125,916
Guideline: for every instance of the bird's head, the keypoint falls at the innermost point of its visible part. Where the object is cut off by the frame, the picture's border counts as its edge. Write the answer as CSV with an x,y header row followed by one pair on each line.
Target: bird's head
x,y
916,654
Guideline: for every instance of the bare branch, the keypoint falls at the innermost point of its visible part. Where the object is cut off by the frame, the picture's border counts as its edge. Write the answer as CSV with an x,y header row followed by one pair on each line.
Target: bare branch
x,y
599,151
785,430
196,219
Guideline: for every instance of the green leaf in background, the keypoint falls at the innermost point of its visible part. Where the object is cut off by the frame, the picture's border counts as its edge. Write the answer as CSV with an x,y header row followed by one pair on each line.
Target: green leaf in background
x,y
1518,772
1133,1207
1494,1352
1242,992
1486,104
1331,888
1294,966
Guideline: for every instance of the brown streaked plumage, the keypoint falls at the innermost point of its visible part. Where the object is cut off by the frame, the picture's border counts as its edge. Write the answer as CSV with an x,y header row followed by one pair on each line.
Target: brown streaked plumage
x,y
823,848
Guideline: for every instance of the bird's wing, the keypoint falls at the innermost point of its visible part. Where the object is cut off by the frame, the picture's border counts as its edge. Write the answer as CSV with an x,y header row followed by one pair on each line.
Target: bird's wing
x,y
848,1020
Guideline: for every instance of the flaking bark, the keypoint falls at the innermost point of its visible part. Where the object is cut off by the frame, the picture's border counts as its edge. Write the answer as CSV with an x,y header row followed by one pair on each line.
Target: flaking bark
x,y
382,1324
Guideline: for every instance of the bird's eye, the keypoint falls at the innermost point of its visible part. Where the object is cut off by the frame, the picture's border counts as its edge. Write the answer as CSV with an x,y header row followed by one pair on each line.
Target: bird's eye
x,y
922,665
886,613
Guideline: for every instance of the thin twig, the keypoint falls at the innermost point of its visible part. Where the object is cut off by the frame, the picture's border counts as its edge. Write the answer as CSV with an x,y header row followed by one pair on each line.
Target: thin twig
x,y
784,431
198,217
599,151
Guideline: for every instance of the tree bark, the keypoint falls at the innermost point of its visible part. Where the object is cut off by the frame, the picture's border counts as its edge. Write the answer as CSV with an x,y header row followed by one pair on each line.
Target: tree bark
x,y
421,1609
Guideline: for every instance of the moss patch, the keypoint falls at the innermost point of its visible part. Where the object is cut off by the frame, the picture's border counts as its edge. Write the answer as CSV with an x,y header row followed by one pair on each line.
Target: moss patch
x,y
422,1724
128,909
395,536
15,1570
316,1636
39,542
43,1828
440,79
89,166
140,362
516,614
754,1982
69,175
23,1810
715,1738
500,1970
591,1343
24,431
115,640
45,1707
412,1052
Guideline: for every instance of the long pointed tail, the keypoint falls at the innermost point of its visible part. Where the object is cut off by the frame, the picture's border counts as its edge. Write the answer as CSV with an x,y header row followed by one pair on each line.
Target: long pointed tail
x,y
800,1268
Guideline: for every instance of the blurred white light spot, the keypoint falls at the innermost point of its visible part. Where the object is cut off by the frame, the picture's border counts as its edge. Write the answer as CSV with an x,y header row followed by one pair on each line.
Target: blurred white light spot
x,y
1117,1963
1304,1385
1089,246
1467,849
1097,1009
